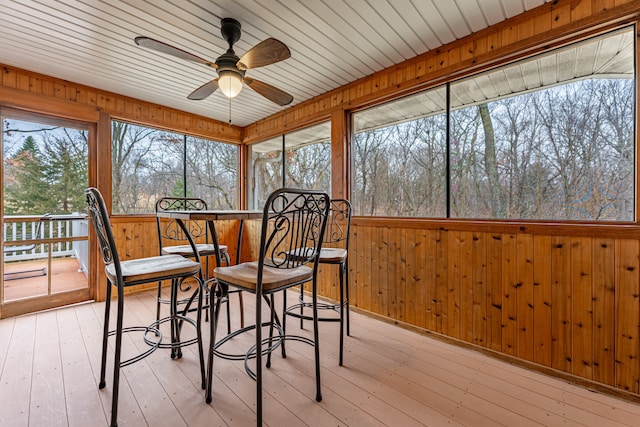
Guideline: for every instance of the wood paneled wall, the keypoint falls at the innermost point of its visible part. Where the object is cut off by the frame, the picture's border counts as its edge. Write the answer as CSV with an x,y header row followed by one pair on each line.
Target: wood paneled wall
x,y
563,300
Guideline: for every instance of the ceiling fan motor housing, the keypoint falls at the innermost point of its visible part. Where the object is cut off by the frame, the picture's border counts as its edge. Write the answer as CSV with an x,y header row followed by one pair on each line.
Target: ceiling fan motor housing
x,y
230,29
227,62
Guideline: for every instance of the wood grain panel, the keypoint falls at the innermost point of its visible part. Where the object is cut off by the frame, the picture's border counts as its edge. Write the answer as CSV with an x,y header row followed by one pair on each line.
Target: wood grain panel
x,y
357,243
381,275
604,292
524,300
494,291
627,315
453,285
582,307
480,291
365,284
393,279
542,300
429,259
509,295
466,286
409,255
561,303
377,261
442,290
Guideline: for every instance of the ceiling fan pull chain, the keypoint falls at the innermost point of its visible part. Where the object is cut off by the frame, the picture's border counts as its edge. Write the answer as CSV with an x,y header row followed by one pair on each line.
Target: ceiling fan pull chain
x,y
229,111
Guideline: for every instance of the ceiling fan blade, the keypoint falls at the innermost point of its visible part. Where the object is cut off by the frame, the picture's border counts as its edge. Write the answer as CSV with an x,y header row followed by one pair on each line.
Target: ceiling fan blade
x,y
170,50
266,52
272,93
204,91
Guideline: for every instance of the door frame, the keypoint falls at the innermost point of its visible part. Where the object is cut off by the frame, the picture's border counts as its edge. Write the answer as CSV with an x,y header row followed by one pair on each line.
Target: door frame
x,y
49,113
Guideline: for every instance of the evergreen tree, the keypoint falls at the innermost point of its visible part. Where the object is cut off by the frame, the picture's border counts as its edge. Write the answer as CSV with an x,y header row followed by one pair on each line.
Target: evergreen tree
x,y
26,187
66,172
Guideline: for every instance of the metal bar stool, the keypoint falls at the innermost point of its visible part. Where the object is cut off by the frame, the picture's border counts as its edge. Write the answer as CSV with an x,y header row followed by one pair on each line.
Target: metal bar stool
x,y
173,240
293,225
121,274
334,251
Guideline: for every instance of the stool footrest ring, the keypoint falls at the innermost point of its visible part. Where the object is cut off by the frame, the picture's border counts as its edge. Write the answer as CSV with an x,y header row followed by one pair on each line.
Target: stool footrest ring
x,y
155,326
153,344
251,354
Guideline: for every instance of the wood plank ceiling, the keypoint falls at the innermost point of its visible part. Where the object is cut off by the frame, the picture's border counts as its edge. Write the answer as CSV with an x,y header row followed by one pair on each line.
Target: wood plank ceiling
x,y
332,42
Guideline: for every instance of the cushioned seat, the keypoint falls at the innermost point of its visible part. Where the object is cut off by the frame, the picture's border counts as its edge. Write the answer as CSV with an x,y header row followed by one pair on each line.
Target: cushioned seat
x,y
245,276
333,255
204,249
150,269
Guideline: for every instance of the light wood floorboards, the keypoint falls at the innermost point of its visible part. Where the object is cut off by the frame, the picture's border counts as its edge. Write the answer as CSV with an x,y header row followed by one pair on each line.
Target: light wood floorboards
x,y
49,365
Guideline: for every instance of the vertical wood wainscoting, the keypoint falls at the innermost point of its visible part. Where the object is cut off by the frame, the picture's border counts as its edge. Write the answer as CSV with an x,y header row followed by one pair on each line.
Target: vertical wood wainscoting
x,y
562,297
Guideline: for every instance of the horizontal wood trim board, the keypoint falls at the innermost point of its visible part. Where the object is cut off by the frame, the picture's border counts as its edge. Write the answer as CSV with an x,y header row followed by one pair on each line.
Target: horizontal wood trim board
x,y
17,308
624,230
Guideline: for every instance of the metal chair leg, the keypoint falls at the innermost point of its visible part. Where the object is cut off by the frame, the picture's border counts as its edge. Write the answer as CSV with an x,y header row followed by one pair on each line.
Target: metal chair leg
x,y
201,292
158,299
105,337
342,306
301,299
346,287
316,342
284,323
259,359
116,362
214,309
272,308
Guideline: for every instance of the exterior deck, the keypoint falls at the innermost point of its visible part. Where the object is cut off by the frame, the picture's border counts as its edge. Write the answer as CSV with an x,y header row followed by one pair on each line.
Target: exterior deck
x,y
65,276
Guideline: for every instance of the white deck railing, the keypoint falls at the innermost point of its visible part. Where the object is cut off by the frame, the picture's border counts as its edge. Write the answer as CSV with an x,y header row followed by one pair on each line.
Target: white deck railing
x,y
59,236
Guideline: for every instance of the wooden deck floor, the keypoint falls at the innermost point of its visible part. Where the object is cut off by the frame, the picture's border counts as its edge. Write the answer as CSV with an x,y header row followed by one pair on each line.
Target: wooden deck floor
x,y
49,364
64,275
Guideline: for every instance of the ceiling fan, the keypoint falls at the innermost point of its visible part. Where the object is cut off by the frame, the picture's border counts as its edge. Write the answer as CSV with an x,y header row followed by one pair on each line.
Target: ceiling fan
x,y
231,68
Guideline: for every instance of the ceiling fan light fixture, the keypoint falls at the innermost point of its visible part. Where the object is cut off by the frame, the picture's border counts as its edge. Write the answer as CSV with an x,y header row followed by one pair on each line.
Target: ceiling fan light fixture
x,y
230,83
231,68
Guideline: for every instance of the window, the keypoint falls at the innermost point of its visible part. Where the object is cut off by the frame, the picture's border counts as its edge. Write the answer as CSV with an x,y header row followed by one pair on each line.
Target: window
x,y
266,170
307,162
551,137
149,163
212,172
399,157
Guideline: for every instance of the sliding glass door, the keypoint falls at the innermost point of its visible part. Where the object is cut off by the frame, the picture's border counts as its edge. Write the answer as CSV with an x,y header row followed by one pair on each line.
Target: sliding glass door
x,y
45,172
